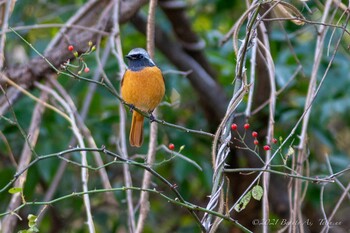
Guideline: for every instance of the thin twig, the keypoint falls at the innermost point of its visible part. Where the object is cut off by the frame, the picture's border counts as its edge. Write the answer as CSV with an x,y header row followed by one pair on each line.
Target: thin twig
x,y
220,147
9,222
115,42
179,155
21,89
336,208
68,105
86,104
322,206
343,28
152,146
78,15
329,166
271,123
8,147
307,108
103,150
123,189
248,110
55,25
9,5
158,176
327,179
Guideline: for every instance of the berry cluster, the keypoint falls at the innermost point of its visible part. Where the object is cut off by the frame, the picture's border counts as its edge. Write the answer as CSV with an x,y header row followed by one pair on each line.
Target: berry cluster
x,y
255,134
82,66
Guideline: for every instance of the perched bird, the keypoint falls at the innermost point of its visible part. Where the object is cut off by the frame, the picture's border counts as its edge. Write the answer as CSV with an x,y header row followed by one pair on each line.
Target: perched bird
x,y
143,87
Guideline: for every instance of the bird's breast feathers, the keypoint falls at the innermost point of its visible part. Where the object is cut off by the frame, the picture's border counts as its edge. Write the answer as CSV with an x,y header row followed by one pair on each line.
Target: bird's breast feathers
x,y
144,89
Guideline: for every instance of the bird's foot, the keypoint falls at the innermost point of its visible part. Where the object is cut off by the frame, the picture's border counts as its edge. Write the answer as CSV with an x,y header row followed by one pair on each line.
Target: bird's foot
x,y
151,117
132,107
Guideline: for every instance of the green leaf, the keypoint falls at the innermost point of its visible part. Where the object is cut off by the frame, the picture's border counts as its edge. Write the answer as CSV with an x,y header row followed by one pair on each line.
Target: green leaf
x,y
290,152
15,190
32,217
257,192
31,224
244,202
34,229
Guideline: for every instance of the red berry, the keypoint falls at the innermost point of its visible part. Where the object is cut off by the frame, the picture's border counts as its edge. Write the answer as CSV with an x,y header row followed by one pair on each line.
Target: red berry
x,y
234,126
171,146
86,70
256,142
274,141
70,48
267,147
255,134
246,126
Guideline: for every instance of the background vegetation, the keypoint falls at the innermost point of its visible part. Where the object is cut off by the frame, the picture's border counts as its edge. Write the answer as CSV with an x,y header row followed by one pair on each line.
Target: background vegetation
x,y
66,165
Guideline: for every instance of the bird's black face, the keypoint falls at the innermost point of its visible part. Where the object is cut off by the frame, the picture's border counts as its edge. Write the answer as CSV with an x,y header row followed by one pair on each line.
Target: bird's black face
x,y
135,56
138,59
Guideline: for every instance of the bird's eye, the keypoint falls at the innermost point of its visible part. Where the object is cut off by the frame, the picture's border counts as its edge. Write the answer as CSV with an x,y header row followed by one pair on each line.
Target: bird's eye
x,y
140,56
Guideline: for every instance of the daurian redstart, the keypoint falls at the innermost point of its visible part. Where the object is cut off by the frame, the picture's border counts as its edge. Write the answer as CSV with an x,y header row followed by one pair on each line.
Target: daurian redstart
x,y
143,87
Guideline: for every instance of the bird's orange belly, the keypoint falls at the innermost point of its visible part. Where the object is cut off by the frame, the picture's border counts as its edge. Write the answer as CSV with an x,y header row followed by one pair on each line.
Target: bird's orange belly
x,y
144,89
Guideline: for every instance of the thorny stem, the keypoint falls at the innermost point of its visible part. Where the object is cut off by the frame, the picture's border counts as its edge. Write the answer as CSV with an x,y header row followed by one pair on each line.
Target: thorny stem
x,y
96,191
158,176
124,160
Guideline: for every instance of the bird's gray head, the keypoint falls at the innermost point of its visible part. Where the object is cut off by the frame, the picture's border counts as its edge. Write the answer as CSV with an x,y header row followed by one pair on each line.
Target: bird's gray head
x,y
138,59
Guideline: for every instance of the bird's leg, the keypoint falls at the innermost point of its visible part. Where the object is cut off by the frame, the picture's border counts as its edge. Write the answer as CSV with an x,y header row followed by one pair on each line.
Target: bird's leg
x,y
151,117
131,107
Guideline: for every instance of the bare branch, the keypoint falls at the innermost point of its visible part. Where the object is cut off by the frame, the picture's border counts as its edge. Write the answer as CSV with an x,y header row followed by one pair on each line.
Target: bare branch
x,y
9,5
152,146
115,41
10,221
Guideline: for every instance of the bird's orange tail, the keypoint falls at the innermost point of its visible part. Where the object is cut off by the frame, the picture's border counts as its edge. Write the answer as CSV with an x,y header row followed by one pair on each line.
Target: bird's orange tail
x,y
136,131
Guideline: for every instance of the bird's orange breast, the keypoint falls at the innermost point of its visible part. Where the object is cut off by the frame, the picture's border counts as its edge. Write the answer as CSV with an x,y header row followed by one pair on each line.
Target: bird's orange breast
x,y
144,89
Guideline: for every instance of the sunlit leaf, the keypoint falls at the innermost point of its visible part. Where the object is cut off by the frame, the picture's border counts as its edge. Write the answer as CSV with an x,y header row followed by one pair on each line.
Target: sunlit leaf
x,y
244,202
289,153
15,190
257,192
32,220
